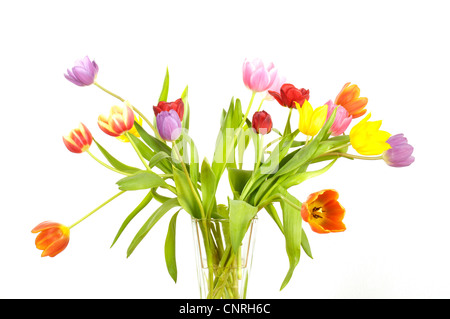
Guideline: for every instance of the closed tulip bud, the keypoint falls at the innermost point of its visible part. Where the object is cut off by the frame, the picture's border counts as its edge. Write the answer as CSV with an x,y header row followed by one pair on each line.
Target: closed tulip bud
x,y
341,121
177,106
83,73
262,122
118,121
78,140
311,121
399,155
349,98
169,125
258,77
289,95
52,239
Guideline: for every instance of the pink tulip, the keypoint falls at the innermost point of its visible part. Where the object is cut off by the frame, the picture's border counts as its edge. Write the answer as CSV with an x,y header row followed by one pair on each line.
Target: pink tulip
x,y
258,77
341,121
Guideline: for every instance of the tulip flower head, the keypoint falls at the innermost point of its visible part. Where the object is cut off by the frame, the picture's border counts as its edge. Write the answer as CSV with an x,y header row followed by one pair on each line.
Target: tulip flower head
x,y
83,73
169,125
258,77
350,100
323,212
78,140
367,138
133,130
262,122
177,106
118,121
399,155
52,239
341,121
289,95
311,121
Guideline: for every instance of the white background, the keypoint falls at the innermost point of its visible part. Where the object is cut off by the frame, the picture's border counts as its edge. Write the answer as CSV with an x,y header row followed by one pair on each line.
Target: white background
x,y
396,244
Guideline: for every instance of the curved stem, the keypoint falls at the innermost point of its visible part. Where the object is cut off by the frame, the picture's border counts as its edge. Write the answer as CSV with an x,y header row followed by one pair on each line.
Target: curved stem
x,y
248,109
96,209
260,104
106,165
352,156
137,151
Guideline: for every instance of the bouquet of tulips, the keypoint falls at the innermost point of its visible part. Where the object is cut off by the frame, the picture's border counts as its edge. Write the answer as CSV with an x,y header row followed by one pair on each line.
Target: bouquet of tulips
x,y
172,175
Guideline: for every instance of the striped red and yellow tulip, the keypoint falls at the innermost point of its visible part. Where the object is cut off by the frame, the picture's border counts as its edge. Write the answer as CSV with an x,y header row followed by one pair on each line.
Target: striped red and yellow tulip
x,y
119,120
78,140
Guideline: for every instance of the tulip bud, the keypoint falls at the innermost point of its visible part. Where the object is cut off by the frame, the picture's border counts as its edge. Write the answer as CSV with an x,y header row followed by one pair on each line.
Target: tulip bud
x,y
399,155
78,140
119,120
177,106
53,238
169,125
289,94
83,73
262,122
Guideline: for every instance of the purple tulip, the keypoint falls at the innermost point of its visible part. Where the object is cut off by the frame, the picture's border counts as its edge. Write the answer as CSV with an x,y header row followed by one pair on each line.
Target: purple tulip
x,y
169,125
83,73
399,155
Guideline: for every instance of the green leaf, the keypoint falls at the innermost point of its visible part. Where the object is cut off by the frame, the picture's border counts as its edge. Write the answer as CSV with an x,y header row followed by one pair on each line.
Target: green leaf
x,y
155,144
158,157
273,213
185,196
116,163
187,111
238,178
208,185
305,245
141,180
240,214
145,151
169,248
303,176
136,211
165,88
292,225
154,218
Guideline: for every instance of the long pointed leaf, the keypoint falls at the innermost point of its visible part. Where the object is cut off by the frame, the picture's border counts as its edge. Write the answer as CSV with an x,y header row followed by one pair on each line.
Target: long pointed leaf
x,y
136,211
165,88
169,248
116,163
154,218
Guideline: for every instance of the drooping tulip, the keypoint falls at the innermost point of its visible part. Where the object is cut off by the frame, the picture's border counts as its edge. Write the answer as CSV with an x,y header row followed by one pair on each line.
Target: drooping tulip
x,y
400,153
288,95
169,125
367,138
258,77
78,140
323,212
349,98
118,121
311,121
83,73
262,122
341,121
52,239
177,105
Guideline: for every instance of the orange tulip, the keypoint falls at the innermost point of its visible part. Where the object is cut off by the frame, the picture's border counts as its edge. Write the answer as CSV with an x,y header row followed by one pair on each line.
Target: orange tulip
x,y
350,100
53,238
323,212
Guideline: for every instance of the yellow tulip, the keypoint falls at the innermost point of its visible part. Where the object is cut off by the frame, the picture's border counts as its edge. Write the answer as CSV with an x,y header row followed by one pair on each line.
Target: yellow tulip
x,y
311,121
367,138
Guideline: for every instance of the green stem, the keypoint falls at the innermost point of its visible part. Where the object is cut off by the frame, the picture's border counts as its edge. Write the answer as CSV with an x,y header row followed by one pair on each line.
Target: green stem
x,y
339,147
352,156
259,153
248,109
96,209
260,104
123,100
137,151
106,165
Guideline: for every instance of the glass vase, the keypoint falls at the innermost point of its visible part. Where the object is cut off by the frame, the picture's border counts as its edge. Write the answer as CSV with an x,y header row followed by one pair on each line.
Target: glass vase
x,y
222,272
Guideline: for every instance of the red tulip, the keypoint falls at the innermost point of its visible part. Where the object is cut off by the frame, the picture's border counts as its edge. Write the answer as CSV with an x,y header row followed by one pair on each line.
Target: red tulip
x,y
290,94
177,105
262,122
53,238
